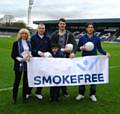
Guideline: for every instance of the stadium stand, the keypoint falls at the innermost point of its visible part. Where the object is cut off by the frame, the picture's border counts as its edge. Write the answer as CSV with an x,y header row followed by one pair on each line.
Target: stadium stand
x,y
12,31
106,29
8,31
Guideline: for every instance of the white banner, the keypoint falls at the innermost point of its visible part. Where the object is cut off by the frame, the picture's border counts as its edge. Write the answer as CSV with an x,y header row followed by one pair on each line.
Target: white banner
x,y
43,72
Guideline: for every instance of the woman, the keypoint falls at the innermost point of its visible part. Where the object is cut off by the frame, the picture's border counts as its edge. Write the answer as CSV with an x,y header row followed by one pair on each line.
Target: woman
x,y
20,54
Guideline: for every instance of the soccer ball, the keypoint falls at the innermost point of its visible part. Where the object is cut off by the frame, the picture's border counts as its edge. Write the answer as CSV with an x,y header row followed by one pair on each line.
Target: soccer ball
x,y
69,47
47,54
89,46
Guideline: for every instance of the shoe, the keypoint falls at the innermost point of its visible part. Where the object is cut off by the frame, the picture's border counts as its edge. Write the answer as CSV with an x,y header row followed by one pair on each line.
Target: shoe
x,y
39,96
65,94
79,97
93,98
13,101
27,96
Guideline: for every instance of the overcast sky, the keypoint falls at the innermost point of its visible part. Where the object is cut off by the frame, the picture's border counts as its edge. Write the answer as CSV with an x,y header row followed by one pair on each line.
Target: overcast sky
x,y
54,9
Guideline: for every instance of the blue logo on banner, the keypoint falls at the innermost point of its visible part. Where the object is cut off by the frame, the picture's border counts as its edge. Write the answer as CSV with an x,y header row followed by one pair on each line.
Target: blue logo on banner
x,y
86,64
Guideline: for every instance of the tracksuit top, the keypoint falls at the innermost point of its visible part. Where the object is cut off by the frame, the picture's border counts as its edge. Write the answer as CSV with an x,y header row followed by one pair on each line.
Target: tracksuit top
x,y
97,45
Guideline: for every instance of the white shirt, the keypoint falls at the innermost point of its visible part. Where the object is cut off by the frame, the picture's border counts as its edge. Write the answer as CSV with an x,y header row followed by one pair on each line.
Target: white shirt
x,y
41,36
25,45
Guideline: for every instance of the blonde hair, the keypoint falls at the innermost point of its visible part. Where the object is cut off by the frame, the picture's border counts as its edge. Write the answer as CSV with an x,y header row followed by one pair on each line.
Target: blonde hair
x,y
21,31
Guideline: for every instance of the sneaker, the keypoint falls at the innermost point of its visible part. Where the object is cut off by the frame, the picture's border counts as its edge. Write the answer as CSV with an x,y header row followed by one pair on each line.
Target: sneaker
x,y
93,98
27,96
66,95
79,97
39,96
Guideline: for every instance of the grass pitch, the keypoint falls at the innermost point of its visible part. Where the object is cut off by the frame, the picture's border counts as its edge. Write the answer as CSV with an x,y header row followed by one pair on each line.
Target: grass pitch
x,y
108,95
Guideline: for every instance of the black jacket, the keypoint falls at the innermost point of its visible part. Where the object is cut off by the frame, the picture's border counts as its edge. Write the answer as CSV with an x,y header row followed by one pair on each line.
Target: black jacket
x,y
14,54
69,38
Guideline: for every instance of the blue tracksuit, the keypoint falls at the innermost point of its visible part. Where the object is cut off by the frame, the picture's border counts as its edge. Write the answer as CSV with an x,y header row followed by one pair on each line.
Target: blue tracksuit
x,y
97,45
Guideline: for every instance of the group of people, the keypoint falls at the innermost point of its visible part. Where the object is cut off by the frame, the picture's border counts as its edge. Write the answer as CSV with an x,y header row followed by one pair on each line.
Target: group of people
x,y
39,44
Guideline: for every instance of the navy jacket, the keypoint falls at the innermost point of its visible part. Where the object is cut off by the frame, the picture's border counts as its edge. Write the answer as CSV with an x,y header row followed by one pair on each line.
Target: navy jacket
x,y
97,45
58,54
39,44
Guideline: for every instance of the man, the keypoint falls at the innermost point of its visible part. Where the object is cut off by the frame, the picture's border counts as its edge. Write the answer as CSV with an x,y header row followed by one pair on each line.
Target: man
x,y
89,37
40,44
63,37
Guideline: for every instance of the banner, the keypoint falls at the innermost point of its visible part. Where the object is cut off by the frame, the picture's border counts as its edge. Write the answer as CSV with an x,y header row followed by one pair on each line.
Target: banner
x,y
44,72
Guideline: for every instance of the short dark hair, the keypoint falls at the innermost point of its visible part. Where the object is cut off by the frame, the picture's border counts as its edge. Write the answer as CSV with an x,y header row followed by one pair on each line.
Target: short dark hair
x,y
55,45
87,24
61,19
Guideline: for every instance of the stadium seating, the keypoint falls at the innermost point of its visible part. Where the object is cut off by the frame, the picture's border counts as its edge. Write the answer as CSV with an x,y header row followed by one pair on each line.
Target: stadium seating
x,y
8,34
104,35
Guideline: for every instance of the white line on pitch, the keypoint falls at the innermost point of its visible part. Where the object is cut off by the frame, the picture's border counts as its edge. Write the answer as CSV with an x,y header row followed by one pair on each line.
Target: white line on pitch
x,y
9,88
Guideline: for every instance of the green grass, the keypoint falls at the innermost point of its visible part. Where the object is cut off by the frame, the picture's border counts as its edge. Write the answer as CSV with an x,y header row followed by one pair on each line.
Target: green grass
x,y
108,95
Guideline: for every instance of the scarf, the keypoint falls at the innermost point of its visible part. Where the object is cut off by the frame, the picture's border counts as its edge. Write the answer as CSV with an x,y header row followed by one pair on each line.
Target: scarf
x,y
22,65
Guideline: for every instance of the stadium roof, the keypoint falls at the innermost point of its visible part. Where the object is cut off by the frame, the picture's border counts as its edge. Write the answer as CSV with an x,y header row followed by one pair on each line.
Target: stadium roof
x,y
109,20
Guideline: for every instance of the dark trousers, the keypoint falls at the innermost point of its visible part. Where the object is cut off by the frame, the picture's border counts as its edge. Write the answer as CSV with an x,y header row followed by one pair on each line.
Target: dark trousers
x,y
18,75
38,90
64,90
54,93
92,89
